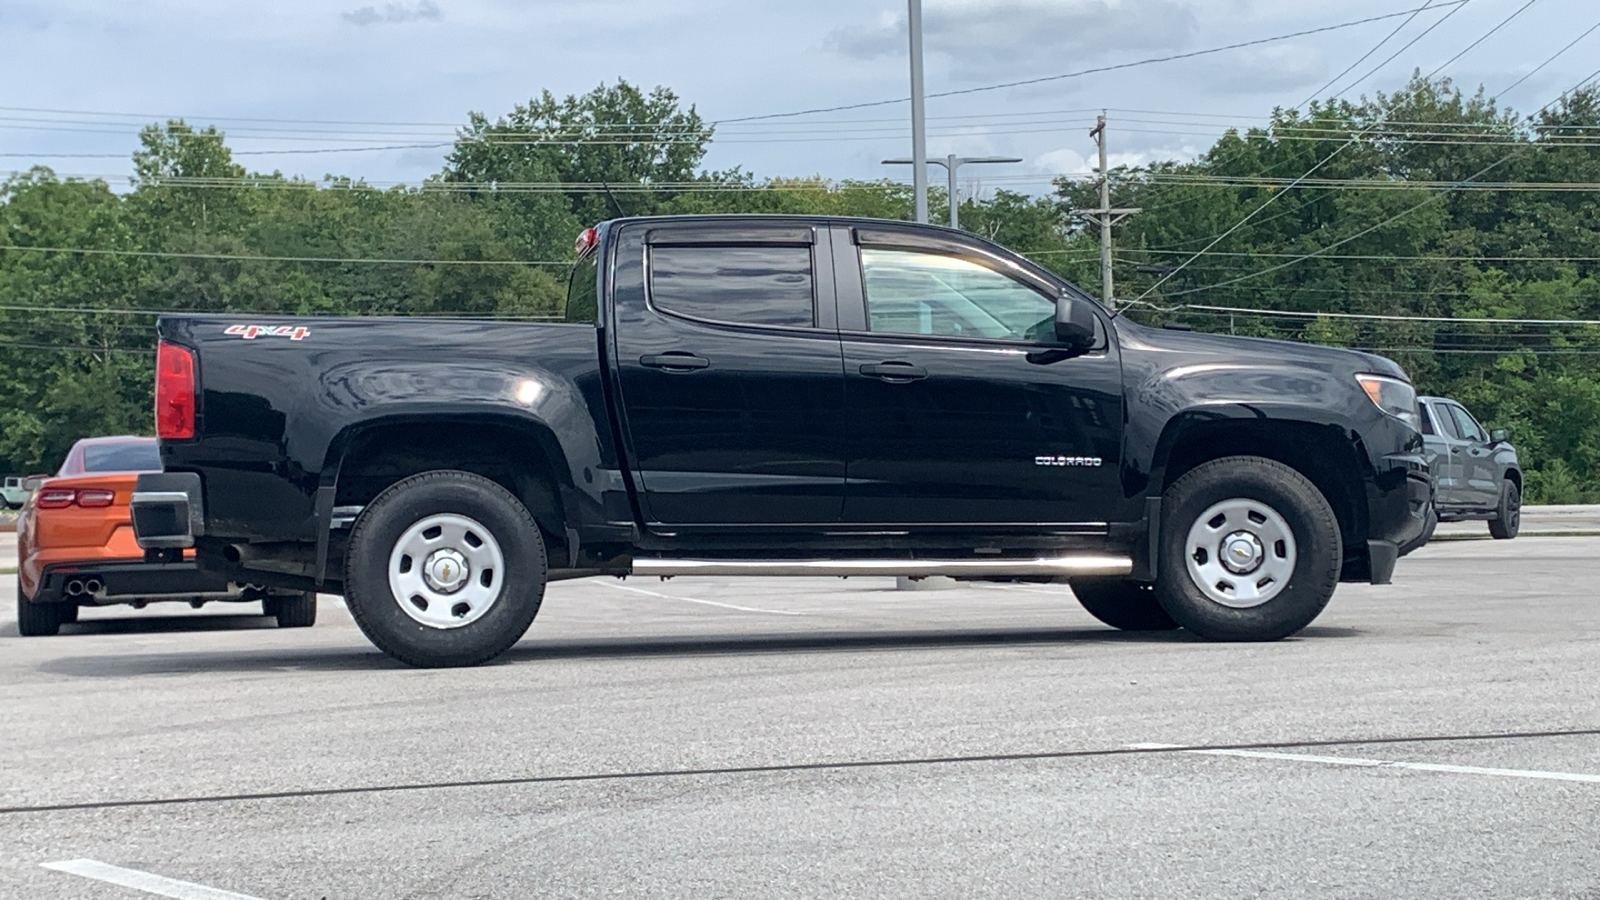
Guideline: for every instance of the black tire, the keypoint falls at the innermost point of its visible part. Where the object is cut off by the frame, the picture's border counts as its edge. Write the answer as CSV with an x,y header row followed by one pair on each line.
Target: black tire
x,y
1508,517
37,619
1122,604
378,611
1318,549
69,613
293,610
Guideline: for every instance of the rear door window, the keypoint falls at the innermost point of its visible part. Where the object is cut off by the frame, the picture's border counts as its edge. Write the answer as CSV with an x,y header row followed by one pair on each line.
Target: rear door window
x,y
770,285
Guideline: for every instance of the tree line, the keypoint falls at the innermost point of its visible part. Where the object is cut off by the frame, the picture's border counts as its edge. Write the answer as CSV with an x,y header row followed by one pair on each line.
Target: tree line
x,y
1435,227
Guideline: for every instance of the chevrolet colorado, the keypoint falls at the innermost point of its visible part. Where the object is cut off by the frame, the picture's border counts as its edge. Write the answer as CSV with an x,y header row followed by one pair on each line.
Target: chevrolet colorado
x,y
733,395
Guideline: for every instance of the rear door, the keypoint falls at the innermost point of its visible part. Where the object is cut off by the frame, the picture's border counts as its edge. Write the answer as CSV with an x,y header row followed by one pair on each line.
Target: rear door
x,y
954,415
728,362
1446,450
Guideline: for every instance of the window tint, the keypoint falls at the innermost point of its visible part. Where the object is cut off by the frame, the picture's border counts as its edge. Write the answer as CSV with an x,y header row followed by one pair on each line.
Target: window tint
x,y
745,285
1467,425
140,457
583,299
924,293
1427,419
1442,420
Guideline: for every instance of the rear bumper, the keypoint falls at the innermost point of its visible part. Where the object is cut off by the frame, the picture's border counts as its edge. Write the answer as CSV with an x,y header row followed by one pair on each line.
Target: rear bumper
x,y
168,510
126,580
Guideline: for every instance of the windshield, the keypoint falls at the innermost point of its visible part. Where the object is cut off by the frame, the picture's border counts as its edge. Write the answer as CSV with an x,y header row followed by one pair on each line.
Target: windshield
x,y
129,457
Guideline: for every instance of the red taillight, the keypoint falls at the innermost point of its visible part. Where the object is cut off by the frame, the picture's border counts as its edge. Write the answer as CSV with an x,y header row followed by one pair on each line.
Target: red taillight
x,y
174,392
55,498
586,242
96,499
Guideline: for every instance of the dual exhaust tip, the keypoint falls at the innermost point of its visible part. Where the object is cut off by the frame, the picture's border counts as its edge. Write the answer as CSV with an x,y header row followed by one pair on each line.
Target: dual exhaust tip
x,y
84,587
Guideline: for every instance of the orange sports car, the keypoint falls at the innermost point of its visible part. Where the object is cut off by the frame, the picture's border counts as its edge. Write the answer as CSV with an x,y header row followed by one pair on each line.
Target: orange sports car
x,y
75,547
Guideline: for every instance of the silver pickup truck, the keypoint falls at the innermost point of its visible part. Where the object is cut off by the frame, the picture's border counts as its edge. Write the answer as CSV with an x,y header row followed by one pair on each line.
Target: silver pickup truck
x,y
1476,474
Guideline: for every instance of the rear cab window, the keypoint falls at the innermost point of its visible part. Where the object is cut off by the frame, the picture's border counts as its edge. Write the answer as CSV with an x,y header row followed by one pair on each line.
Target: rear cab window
x,y
739,285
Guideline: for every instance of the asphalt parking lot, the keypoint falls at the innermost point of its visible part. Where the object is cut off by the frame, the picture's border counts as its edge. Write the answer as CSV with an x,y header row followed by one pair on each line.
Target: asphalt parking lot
x,y
1439,737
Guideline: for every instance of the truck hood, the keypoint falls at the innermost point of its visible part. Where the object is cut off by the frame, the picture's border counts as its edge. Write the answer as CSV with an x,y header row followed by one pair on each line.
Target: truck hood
x,y
1190,347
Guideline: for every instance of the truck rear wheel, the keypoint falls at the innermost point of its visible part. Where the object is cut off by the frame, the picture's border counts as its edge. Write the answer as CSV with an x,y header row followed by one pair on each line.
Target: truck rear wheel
x,y
292,610
1250,550
1128,605
443,569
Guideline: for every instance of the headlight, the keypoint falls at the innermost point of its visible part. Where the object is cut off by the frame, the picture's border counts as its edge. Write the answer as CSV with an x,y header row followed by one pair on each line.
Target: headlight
x,y
1393,396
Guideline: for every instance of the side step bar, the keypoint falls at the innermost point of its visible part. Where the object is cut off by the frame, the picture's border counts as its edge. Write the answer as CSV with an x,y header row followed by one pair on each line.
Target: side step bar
x,y
1064,565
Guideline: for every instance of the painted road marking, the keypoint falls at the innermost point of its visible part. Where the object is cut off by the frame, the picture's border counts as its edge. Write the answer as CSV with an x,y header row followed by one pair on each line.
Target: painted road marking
x,y
143,881
770,612
1385,764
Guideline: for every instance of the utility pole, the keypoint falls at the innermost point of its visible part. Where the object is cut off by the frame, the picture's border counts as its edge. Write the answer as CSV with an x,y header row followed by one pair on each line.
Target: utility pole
x,y
1107,216
951,164
919,128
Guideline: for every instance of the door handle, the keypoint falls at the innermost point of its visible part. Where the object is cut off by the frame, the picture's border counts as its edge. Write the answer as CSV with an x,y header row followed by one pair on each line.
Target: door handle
x,y
894,372
1455,449
674,361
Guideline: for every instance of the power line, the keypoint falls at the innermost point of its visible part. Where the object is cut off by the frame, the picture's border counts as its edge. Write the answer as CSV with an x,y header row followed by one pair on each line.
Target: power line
x,y
1096,70
1377,317
1387,38
1490,33
162,254
1408,45
1313,170
1547,62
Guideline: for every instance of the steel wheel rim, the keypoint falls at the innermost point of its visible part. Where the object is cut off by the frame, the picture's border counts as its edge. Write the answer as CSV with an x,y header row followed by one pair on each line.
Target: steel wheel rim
x,y
1216,558
446,571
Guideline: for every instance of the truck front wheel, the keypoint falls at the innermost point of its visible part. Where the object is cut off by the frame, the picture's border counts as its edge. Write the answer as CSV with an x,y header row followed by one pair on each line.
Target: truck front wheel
x,y
443,569
1250,550
1128,605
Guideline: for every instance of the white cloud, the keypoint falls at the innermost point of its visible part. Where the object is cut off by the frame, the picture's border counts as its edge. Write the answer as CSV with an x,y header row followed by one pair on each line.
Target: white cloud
x,y
393,14
1268,69
986,39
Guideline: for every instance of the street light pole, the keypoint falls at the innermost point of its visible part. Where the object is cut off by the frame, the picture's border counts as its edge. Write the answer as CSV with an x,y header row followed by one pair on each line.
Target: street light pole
x,y
919,131
951,164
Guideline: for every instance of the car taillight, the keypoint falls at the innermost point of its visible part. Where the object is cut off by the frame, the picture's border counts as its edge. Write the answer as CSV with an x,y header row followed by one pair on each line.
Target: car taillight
x,y
96,499
55,498
587,240
175,389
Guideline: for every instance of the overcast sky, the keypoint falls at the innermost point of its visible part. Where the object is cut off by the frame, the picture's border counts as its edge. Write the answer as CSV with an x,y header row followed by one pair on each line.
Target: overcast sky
x,y
418,67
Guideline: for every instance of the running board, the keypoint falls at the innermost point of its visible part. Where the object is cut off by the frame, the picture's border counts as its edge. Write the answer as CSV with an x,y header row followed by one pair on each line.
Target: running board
x,y
916,568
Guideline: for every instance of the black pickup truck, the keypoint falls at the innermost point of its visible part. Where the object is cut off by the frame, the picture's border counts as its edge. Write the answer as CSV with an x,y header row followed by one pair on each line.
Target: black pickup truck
x,y
780,396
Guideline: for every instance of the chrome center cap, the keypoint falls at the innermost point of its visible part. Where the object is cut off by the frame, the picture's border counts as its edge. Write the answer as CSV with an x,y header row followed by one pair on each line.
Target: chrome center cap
x,y
446,571
1242,552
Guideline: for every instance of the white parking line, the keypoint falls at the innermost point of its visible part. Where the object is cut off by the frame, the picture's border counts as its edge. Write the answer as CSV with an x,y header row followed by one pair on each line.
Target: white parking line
x,y
1385,764
771,612
143,881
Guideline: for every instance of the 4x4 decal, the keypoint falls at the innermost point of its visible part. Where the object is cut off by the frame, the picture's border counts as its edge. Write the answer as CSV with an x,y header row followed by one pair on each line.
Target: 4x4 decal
x,y
251,332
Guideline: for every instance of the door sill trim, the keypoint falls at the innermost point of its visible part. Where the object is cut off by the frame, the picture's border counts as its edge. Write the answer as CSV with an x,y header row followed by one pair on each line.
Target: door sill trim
x,y
1081,565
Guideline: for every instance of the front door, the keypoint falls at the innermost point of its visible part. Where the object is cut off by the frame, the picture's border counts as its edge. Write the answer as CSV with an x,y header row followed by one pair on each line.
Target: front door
x,y
956,413
730,374
1480,483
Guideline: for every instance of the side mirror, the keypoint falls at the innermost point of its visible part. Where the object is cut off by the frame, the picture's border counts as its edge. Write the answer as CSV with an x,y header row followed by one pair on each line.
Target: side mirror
x,y
1499,436
1075,323
32,484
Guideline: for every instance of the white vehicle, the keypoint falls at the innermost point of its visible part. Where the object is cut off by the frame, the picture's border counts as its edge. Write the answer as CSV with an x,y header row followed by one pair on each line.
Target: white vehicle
x,y
14,493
